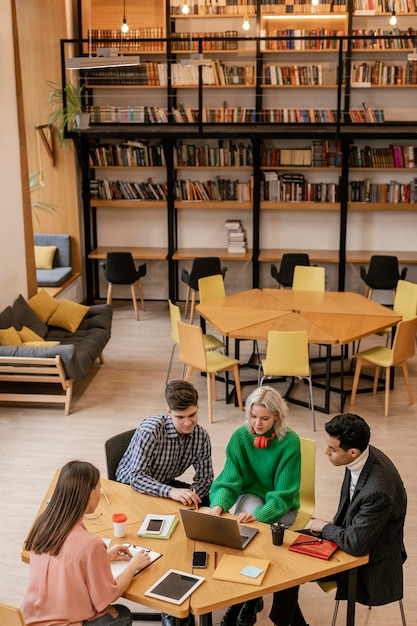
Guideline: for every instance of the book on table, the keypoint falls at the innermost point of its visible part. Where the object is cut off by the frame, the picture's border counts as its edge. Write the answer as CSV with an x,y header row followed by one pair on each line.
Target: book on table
x,y
169,523
314,546
241,569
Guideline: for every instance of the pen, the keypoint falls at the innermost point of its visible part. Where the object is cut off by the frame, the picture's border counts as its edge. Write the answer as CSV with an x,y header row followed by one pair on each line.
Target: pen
x,y
105,495
305,543
215,559
195,504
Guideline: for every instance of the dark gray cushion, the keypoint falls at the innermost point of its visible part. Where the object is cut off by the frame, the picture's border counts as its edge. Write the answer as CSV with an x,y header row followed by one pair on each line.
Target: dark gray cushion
x,y
24,316
7,318
62,256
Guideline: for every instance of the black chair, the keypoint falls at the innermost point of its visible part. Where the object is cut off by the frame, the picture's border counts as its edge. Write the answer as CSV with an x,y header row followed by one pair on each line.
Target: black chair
x,y
383,273
201,267
285,274
119,269
115,447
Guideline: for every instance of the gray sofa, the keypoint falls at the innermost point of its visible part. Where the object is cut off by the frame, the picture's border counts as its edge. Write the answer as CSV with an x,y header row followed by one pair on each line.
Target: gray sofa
x,y
69,360
62,268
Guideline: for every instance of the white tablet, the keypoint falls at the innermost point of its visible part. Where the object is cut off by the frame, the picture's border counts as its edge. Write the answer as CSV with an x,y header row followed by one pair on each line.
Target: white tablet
x,y
174,586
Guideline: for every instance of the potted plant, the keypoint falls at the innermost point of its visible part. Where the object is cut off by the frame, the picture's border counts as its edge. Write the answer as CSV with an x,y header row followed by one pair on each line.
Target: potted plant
x,y
71,115
35,182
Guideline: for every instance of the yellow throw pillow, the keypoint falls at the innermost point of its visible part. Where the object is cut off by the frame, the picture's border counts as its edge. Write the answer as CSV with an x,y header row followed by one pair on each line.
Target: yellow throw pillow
x,y
43,305
41,344
26,334
68,315
44,257
9,337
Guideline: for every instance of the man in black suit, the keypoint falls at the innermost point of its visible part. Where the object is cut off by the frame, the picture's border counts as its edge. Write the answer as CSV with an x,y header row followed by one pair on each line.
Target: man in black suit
x,y
369,519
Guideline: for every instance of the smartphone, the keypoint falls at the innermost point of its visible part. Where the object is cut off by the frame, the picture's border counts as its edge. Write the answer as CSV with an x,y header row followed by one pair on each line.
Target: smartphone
x,y
199,559
154,526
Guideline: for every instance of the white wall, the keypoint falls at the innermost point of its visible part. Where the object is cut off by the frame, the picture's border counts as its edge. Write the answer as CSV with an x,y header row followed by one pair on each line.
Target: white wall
x,y
12,250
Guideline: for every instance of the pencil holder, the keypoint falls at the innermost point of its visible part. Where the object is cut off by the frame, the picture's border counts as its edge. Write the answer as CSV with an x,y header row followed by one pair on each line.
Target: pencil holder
x,y
277,531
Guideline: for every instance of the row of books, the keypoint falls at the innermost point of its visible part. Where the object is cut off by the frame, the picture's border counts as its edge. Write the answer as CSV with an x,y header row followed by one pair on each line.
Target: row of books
x,y
295,188
236,237
212,73
128,114
320,154
220,7
365,116
129,42
385,6
381,73
401,156
302,39
398,193
302,6
382,39
146,73
218,189
105,189
187,41
128,154
292,74
225,154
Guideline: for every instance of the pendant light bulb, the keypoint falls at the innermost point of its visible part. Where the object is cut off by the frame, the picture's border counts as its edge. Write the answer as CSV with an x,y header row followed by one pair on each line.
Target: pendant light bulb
x,y
393,19
125,26
246,25
315,3
185,8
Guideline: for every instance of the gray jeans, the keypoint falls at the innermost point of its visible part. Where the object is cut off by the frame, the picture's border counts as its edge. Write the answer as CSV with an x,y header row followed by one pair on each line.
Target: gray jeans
x,y
123,619
248,502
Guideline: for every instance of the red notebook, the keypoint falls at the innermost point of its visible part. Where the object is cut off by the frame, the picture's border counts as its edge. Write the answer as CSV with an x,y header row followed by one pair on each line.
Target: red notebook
x,y
313,546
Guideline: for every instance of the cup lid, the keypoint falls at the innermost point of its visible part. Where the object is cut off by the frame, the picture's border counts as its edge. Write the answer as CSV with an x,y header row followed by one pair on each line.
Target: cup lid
x,y
119,517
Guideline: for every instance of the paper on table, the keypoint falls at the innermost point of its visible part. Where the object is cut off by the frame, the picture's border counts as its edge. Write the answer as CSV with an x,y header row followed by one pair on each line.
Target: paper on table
x,y
117,567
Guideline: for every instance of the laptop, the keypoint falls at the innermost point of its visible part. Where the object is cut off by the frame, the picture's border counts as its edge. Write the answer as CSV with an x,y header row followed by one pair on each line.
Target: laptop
x,y
224,531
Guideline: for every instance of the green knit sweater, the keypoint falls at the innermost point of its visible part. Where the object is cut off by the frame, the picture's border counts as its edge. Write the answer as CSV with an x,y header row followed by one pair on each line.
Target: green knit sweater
x,y
272,473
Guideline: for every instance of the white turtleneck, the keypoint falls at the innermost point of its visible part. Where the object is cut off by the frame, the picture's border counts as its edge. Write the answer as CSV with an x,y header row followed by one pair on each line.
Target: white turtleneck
x,y
355,469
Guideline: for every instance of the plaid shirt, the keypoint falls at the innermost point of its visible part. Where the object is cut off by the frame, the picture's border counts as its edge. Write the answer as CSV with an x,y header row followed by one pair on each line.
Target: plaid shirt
x,y
157,455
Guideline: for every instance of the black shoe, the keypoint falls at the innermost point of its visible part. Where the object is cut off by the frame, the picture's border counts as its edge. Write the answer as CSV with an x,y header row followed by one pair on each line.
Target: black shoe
x,y
167,620
247,615
231,615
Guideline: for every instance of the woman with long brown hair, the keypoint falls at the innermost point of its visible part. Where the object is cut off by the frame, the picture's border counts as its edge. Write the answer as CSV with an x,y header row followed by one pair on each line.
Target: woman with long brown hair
x,y
70,580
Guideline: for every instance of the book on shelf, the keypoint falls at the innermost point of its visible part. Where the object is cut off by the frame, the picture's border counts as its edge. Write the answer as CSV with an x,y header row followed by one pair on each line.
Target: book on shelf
x,y
169,524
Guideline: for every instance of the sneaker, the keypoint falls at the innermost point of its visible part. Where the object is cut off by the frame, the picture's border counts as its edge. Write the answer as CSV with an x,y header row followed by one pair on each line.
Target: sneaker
x,y
247,615
231,615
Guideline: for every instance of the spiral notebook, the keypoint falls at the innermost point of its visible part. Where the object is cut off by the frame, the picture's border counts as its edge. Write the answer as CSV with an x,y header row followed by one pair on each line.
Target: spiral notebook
x,y
313,546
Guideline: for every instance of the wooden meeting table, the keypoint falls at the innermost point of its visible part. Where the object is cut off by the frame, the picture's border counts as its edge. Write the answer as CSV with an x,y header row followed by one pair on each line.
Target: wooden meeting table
x,y
329,317
286,568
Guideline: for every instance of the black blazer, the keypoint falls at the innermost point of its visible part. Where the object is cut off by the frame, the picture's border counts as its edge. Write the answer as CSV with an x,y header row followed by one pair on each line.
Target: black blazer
x,y
373,523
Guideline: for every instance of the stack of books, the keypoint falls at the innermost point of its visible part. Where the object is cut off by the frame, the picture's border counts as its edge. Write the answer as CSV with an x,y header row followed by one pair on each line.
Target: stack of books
x,y
236,237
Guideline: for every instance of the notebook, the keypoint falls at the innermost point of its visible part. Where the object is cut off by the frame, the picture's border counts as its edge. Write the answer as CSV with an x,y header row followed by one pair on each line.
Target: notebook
x,y
320,548
224,531
241,570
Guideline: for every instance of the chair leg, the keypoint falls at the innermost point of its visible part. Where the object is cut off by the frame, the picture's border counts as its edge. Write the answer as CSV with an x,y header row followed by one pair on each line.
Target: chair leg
x,y
110,294
336,608
402,613
387,385
376,376
209,399
355,380
237,385
141,294
170,363
313,414
407,382
193,303
187,301
135,302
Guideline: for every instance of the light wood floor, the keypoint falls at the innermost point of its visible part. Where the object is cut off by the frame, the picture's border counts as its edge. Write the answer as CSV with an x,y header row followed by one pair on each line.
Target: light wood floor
x,y
35,440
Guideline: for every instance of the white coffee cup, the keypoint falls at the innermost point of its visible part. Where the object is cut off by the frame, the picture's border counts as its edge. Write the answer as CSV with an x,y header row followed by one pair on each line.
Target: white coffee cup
x,y
119,524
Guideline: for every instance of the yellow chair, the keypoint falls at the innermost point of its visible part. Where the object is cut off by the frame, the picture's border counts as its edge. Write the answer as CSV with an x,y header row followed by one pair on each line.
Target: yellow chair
x,y
287,355
210,342
403,348
195,356
331,585
309,278
11,615
307,484
211,288
405,303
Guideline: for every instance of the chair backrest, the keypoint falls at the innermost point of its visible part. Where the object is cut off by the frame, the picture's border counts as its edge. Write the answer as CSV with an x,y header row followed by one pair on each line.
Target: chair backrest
x,y
175,316
286,354
192,350
120,268
288,263
405,300
115,447
307,484
309,278
404,346
11,615
211,288
383,272
203,266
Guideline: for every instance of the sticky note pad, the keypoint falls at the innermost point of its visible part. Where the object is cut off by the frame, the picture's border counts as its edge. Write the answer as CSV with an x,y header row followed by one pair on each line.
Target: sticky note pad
x,y
251,571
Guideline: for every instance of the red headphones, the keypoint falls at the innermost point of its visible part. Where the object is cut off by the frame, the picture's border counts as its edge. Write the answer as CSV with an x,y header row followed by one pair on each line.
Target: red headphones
x,y
262,441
